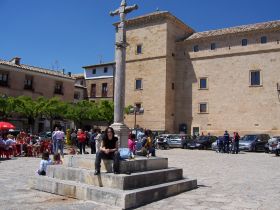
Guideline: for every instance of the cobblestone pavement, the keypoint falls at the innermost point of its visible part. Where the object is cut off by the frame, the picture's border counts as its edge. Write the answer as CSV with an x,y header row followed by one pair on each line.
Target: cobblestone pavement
x,y
244,181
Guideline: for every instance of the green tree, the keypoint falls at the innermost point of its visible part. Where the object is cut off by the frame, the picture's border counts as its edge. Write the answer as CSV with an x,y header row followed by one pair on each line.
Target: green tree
x,y
7,107
54,108
83,110
106,111
29,108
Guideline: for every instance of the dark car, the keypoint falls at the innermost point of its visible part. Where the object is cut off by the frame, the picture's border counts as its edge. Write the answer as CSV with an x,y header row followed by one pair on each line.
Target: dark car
x,y
254,142
186,139
202,142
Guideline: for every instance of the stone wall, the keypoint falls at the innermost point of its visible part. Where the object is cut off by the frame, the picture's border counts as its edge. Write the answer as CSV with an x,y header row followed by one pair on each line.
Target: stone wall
x,y
233,104
150,66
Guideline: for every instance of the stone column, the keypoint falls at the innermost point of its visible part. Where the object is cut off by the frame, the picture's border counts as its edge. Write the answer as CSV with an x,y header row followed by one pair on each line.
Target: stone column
x,y
119,95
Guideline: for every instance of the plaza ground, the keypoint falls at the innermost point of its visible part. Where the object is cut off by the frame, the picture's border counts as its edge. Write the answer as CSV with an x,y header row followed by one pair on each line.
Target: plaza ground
x,y
244,181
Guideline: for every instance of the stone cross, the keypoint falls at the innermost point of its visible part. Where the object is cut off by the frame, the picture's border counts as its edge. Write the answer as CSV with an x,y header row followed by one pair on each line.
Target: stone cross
x,y
119,94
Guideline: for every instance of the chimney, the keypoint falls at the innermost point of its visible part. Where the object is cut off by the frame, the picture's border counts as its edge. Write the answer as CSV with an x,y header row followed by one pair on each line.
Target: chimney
x,y
69,74
16,60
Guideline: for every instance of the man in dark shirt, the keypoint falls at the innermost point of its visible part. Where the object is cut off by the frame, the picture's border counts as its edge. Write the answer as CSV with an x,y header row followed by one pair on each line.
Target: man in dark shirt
x,y
108,150
226,142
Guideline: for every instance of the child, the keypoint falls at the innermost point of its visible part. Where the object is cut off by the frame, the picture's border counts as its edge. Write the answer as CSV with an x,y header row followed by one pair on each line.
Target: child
x,y
44,164
131,143
56,159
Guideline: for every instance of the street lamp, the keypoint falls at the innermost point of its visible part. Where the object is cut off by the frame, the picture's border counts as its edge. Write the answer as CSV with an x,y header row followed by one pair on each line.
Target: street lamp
x,y
136,110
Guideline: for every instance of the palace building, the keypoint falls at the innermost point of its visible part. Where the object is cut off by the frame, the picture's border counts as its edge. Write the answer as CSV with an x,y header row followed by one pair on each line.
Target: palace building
x,y
212,81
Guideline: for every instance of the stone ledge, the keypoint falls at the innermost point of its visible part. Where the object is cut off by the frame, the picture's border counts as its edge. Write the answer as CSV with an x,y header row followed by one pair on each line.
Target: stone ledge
x,y
121,198
120,181
138,164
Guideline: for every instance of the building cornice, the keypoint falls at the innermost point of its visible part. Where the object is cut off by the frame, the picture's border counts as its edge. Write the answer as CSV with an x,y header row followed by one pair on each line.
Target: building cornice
x,y
156,16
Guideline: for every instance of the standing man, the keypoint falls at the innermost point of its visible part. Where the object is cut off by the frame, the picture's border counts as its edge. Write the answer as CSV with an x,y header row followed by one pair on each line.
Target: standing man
x,y
226,142
81,136
236,143
59,135
108,150
92,135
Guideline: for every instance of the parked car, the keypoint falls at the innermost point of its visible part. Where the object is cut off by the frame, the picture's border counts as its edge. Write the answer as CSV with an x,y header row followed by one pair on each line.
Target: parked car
x,y
270,147
186,139
202,142
161,141
254,142
166,141
175,141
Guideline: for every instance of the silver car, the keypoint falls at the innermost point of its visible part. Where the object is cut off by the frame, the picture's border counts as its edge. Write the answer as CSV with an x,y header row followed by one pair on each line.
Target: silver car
x,y
174,141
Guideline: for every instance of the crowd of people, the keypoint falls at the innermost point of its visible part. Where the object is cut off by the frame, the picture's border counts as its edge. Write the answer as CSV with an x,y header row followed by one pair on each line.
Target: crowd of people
x,y
104,144
22,145
225,142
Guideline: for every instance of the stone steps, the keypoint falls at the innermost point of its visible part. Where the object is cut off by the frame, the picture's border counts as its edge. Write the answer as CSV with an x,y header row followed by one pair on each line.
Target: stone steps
x,y
142,180
121,198
126,166
120,181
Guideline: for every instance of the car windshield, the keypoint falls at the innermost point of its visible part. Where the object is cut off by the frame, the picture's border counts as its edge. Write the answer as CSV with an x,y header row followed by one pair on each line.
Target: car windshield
x,y
250,138
202,138
175,137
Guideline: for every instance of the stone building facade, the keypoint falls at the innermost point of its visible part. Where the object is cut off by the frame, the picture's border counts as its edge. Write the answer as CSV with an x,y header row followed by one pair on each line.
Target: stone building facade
x,y
17,79
207,82
80,90
100,81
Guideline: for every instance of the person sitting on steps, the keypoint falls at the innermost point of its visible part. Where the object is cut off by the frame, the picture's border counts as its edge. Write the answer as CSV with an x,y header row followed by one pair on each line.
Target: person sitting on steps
x,y
108,150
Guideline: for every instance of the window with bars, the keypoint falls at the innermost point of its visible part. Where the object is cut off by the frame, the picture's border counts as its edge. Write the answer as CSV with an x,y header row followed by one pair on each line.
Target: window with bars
x,y
28,82
93,91
4,79
58,89
104,89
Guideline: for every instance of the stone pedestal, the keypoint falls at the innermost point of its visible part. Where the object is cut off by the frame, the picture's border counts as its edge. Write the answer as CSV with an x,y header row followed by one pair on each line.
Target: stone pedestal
x,y
142,180
121,131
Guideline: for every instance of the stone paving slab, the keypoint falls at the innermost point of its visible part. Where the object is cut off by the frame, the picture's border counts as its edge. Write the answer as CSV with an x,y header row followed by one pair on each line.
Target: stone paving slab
x,y
245,181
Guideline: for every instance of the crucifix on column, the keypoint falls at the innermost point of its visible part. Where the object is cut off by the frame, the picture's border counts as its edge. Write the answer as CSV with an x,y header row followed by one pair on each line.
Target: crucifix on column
x,y
119,94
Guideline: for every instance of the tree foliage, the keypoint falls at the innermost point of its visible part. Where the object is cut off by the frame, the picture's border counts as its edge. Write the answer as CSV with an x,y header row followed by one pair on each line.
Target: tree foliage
x,y
54,108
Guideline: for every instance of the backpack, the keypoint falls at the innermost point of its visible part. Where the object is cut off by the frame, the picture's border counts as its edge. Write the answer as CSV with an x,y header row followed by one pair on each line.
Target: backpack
x,y
125,153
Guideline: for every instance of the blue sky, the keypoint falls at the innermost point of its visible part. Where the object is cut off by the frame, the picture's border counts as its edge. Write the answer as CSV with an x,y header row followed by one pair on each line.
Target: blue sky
x,y
69,34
